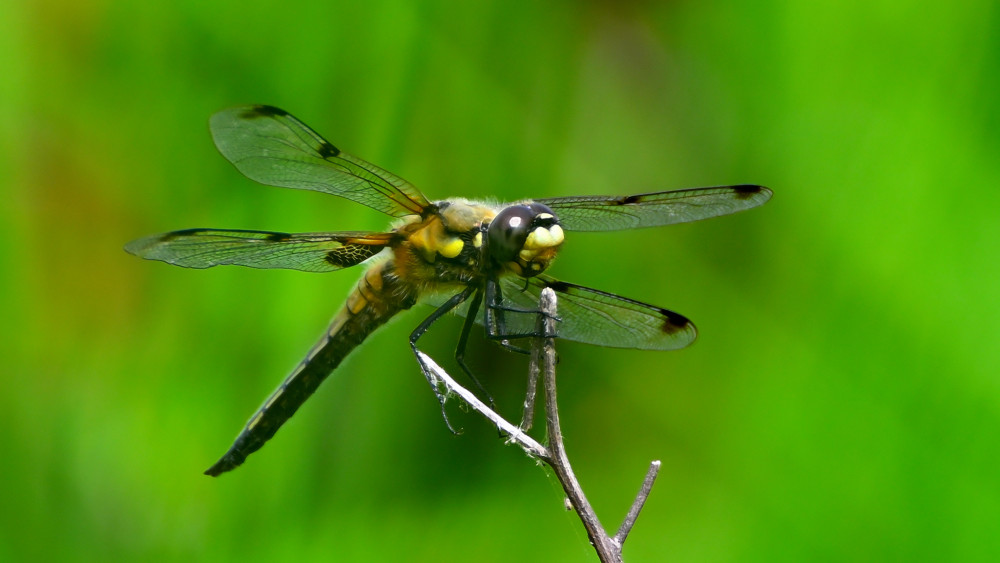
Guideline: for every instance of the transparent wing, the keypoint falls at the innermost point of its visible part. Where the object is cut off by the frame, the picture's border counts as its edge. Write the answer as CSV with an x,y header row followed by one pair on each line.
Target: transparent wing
x,y
270,146
591,316
612,213
309,252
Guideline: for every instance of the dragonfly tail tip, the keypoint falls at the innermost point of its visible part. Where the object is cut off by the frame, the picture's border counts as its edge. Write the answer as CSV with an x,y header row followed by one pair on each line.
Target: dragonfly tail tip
x,y
227,463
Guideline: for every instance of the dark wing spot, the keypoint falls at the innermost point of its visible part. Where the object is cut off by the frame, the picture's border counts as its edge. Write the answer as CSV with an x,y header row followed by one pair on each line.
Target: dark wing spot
x,y
339,258
278,237
263,111
182,233
351,254
326,150
558,286
745,191
673,322
630,200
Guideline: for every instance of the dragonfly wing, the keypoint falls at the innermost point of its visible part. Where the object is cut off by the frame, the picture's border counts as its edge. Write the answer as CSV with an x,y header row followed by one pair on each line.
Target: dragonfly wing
x,y
590,316
612,213
596,317
270,146
309,252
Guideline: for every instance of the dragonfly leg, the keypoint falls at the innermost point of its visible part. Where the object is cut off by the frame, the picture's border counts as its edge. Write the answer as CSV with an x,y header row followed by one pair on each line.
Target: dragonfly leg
x,y
495,319
463,340
451,303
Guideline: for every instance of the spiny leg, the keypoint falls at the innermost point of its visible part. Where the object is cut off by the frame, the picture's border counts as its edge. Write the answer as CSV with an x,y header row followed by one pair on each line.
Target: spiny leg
x,y
497,330
451,303
463,340
495,319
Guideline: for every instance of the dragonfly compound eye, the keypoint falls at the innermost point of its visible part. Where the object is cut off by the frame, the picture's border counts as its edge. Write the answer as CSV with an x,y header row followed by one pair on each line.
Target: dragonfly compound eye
x,y
525,237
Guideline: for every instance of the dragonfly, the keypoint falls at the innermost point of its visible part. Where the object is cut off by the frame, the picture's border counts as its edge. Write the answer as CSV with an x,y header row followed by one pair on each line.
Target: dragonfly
x,y
483,261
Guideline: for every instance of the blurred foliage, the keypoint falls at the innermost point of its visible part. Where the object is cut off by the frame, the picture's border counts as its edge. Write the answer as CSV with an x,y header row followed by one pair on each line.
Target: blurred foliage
x,y
841,404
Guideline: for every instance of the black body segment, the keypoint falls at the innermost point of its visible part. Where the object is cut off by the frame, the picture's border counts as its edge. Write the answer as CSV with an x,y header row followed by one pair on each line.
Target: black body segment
x,y
378,296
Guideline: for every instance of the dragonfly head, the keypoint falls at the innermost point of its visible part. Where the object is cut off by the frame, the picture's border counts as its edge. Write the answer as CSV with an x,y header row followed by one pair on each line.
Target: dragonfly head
x,y
525,238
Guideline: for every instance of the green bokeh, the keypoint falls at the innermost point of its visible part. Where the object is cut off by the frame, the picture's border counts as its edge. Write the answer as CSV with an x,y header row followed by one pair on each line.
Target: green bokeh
x,y
841,404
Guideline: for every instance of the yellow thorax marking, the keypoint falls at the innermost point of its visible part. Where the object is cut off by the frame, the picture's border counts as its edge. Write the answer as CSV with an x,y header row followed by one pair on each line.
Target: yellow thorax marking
x,y
451,247
425,238
432,238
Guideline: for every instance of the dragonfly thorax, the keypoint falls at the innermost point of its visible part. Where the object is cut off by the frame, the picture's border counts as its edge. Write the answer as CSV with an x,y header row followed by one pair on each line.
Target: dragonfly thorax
x,y
524,238
444,246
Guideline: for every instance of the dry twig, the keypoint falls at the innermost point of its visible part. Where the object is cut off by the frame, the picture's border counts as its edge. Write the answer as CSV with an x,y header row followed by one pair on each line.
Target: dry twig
x,y
609,548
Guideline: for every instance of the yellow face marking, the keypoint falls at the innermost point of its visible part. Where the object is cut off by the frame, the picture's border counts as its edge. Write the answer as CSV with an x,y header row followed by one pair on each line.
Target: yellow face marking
x,y
532,240
478,241
544,215
451,248
544,238
557,234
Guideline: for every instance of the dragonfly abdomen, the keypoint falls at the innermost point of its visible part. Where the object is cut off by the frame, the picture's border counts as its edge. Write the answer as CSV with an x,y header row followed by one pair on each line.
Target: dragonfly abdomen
x,y
378,296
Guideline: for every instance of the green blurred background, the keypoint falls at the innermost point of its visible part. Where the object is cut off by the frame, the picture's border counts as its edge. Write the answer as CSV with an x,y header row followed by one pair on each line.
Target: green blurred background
x,y
841,404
